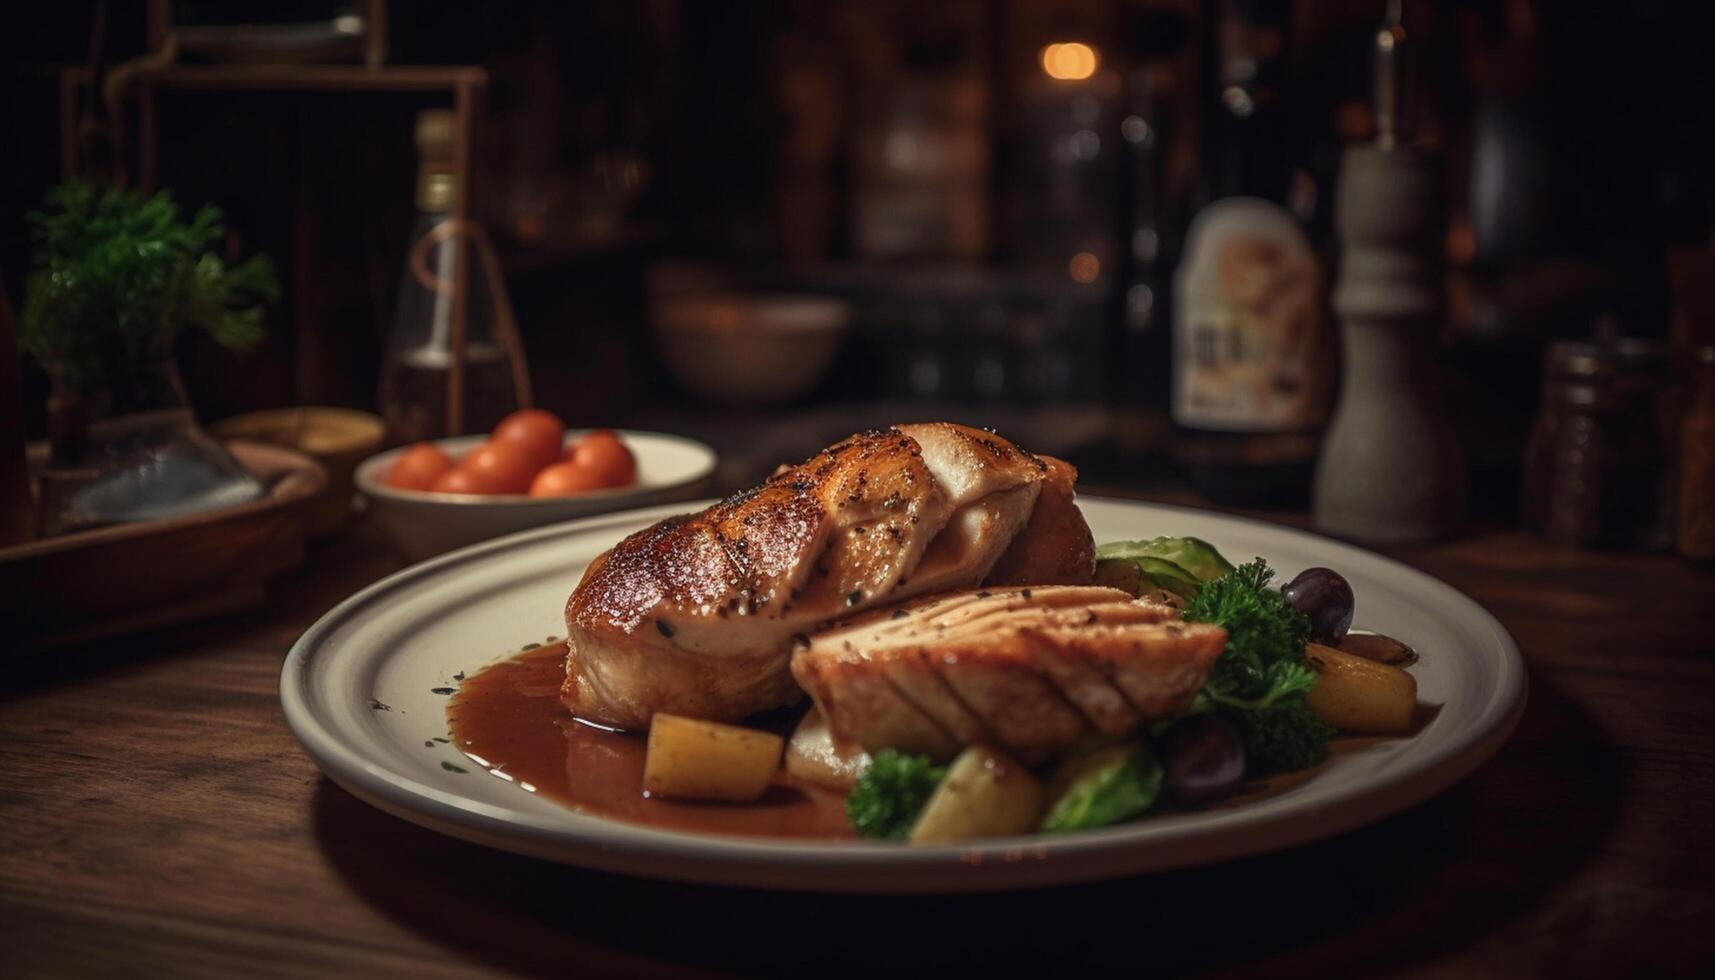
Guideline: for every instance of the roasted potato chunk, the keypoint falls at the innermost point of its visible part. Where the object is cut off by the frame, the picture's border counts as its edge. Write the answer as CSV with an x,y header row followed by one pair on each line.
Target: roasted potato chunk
x,y
700,760
1358,695
985,794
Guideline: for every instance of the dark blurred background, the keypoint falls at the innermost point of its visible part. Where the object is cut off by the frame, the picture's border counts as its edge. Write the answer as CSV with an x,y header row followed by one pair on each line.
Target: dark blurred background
x,y
994,193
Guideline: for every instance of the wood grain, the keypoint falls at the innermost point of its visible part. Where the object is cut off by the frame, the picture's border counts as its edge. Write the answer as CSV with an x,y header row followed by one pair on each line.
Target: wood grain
x,y
160,820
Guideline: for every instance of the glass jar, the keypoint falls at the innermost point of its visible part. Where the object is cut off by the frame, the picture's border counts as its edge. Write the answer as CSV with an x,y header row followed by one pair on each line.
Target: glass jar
x,y
1697,462
132,452
1599,464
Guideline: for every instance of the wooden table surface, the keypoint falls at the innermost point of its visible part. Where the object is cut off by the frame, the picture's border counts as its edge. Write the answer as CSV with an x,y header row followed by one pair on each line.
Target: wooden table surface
x,y
159,819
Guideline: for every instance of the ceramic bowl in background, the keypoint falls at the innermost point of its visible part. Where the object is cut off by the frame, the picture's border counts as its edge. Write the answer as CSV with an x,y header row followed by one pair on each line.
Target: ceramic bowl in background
x,y
421,524
749,349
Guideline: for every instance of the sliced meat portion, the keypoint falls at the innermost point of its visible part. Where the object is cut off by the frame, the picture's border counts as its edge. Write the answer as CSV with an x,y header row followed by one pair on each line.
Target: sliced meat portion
x,y
1031,669
696,614
1056,546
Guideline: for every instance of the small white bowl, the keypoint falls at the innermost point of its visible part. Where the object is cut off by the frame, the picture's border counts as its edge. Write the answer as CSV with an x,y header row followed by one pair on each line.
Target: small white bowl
x,y
421,524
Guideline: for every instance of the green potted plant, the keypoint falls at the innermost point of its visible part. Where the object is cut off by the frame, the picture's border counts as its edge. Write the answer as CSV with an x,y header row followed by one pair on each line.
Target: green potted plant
x,y
118,276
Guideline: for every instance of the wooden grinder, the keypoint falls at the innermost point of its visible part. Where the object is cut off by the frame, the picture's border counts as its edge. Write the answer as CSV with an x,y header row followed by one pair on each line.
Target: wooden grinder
x,y
1390,470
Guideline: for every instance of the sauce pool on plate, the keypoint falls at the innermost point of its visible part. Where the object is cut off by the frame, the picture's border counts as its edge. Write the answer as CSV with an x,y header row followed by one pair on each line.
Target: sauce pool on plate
x,y
509,720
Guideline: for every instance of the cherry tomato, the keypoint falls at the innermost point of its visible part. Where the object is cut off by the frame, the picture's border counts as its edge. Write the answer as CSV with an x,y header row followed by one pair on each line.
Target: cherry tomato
x,y
537,433
565,479
572,447
602,453
419,467
501,467
459,480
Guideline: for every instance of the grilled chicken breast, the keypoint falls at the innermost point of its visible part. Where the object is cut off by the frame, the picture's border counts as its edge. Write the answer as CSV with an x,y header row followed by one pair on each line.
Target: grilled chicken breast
x,y
695,615
1032,670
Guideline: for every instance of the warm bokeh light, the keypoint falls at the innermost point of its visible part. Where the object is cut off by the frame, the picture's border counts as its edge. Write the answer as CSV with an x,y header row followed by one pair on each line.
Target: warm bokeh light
x,y
1070,61
1084,267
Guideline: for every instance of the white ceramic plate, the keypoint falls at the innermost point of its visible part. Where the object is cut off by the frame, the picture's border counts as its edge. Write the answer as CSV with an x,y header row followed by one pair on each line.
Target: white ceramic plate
x,y
423,524
413,631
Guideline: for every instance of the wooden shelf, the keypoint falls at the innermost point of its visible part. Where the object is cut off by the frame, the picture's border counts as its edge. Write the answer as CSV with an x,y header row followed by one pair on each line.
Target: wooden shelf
x,y
303,78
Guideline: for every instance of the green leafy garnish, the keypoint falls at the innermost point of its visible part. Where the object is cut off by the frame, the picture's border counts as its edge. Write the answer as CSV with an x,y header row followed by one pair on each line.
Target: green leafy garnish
x,y
1262,631
118,276
891,793
1102,788
1260,679
1285,737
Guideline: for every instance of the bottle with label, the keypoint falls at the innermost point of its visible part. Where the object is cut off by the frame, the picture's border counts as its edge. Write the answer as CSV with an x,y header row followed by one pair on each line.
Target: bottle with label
x,y
1252,358
420,350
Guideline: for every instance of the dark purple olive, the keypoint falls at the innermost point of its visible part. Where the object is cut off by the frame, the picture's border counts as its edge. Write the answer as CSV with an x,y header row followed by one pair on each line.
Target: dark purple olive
x,y
1326,597
1202,757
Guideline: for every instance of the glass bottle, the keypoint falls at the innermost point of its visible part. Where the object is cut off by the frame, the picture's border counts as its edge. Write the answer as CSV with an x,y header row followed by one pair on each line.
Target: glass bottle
x,y
1252,353
420,351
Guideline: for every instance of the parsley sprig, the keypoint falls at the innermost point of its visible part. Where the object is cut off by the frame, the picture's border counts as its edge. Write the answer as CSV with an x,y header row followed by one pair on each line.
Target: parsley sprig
x,y
117,276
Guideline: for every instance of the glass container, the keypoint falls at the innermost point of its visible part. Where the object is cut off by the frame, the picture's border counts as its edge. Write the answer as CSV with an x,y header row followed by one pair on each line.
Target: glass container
x,y
1599,464
133,454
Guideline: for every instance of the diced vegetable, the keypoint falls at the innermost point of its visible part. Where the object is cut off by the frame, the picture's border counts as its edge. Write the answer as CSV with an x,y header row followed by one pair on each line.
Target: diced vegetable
x,y
701,760
1102,787
891,793
812,754
985,794
1193,555
1358,695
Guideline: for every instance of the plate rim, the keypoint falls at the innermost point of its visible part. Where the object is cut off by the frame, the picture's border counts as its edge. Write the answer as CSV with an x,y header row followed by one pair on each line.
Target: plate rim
x,y
785,864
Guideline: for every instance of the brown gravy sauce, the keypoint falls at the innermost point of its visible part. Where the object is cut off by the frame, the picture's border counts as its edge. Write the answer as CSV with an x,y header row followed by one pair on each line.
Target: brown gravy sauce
x,y
508,719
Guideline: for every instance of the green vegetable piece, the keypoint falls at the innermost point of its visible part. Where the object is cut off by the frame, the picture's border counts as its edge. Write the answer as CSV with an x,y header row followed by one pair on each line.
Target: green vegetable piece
x,y
1102,788
1259,681
1262,630
1163,574
1194,555
1284,737
1138,575
891,793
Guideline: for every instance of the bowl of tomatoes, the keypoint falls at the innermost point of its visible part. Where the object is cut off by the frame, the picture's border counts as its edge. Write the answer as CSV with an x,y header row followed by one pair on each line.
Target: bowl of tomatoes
x,y
432,497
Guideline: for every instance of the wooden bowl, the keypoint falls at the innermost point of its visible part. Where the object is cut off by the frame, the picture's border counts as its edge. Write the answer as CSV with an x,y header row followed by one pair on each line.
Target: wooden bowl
x,y
337,438
129,577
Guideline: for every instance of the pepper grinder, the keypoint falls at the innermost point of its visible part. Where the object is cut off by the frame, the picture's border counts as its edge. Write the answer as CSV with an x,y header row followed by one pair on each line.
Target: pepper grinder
x,y
1389,471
